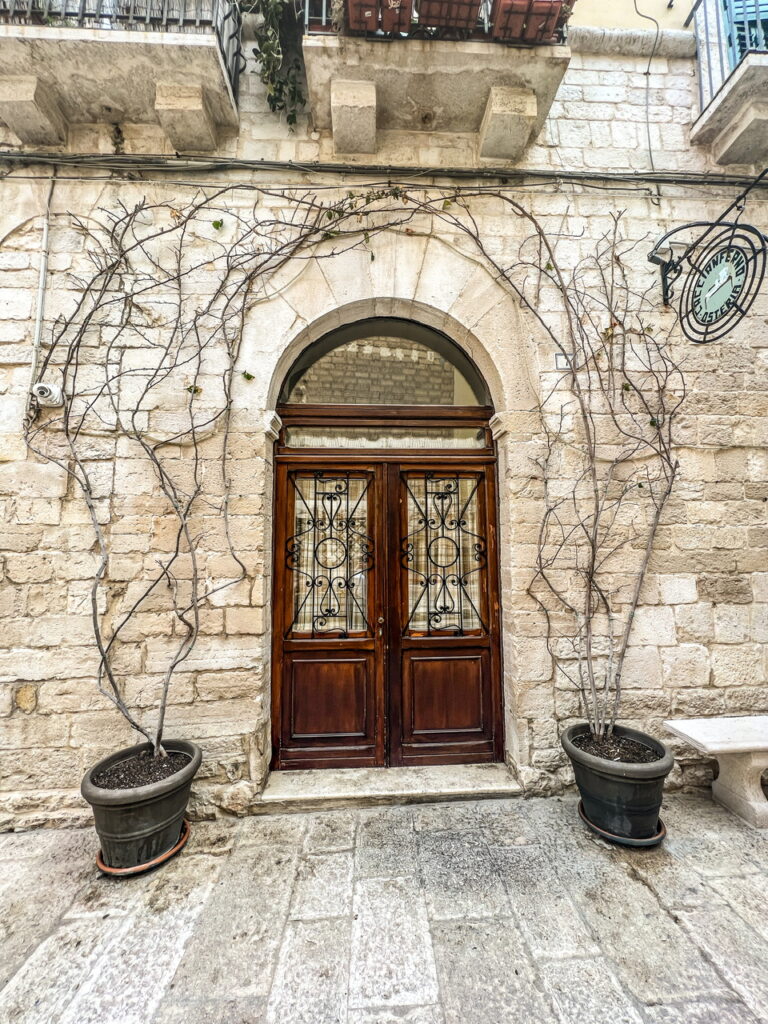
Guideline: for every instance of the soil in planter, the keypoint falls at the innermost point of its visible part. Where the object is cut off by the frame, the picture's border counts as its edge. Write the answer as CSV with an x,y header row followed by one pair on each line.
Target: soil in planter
x,y
617,748
141,770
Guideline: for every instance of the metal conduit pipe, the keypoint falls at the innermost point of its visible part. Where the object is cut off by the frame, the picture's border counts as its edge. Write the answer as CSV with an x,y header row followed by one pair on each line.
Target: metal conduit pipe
x,y
42,279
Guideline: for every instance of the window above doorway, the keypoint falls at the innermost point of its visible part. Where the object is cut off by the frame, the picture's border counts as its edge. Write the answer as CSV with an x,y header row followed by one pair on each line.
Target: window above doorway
x,y
384,361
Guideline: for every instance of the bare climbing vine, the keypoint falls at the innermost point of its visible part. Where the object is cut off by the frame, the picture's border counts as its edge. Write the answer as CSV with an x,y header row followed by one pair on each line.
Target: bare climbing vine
x,y
148,359
611,437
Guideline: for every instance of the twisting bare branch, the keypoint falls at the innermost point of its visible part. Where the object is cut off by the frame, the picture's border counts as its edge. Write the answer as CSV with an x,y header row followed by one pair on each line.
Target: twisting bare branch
x,y
148,357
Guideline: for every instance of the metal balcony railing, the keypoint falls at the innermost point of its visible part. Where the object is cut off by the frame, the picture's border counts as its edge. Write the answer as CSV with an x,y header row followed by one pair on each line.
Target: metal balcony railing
x,y
522,22
726,31
221,17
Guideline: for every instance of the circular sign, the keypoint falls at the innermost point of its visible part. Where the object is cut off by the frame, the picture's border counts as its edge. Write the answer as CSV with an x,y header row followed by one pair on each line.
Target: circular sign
x,y
722,283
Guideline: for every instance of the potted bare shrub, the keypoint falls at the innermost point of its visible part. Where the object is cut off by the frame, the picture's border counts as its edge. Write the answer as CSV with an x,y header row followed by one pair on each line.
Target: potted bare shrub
x,y
149,416
610,419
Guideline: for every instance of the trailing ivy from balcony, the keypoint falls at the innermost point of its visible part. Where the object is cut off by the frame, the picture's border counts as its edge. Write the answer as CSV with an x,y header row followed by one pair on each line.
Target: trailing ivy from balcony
x,y
277,53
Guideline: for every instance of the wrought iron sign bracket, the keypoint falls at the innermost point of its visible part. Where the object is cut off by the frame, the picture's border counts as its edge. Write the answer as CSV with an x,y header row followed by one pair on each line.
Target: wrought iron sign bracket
x,y
724,267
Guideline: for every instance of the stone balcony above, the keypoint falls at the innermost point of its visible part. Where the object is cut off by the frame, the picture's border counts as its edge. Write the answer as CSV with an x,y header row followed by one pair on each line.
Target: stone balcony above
x,y
732,50
735,122
360,87
67,63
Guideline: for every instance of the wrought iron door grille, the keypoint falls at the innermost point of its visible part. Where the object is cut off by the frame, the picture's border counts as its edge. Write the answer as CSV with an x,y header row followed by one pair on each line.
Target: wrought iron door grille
x,y
444,555
330,555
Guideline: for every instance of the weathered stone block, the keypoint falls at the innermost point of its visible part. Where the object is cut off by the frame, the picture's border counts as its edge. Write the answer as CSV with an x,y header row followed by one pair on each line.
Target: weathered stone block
x,y
33,480
695,622
732,623
353,116
509,118
185,115
738,665
733,588
30,109
678,589
244,620
686,665
642,668
654,626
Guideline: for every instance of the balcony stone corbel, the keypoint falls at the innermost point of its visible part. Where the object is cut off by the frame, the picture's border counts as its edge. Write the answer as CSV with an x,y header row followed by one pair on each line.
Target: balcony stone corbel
x,y
743,140
30,109
353,116
185,116
508,121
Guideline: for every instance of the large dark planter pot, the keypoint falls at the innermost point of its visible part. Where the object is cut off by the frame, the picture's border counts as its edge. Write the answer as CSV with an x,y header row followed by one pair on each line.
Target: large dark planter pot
x,y
138,827
619,799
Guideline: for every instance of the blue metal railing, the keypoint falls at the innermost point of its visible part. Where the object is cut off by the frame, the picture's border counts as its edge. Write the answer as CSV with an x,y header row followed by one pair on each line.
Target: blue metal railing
x,y
221,17
726,31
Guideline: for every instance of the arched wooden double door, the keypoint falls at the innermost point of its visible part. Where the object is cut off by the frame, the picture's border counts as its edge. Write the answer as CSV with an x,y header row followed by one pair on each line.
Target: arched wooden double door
x,y
386,610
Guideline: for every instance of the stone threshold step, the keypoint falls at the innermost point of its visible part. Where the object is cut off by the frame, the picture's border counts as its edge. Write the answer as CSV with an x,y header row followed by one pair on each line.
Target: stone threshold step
x,y
328,788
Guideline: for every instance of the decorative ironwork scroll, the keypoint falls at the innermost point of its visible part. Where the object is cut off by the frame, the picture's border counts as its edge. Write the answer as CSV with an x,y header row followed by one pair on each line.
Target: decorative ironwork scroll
x,y
330,554
444,555
724,267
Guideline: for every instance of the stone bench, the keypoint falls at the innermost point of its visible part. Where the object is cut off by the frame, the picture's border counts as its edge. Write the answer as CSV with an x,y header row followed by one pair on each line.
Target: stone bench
x,y
741,748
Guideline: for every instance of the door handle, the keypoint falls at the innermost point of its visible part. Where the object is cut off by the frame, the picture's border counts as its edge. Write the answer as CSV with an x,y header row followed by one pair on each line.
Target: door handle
x,y
381,620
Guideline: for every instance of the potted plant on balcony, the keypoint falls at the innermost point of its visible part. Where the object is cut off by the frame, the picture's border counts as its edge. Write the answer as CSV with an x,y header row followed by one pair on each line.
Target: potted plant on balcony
x,y
451,14
609,419
529,21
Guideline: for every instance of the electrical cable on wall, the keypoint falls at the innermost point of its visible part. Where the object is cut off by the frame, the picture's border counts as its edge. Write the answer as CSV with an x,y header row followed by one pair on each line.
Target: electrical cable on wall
x,y
648,17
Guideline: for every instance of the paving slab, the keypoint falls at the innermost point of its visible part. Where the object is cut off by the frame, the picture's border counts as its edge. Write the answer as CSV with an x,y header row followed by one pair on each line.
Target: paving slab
x,y
748,896
706,1011
234,954
323,885
332,830
737,953
386,844
546,914
69,955
486,975
175,1010
392,961
461,912
39,893
674,883
274,830
587,990
149,948
460,877
397,1015
654,957
311,981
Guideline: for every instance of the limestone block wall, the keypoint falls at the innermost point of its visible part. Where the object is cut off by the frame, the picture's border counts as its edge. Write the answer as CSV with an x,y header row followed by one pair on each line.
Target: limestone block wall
x,y
700,644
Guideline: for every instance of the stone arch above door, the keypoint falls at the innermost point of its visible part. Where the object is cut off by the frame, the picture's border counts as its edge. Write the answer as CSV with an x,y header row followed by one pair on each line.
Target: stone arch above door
x,y
412,278
428,281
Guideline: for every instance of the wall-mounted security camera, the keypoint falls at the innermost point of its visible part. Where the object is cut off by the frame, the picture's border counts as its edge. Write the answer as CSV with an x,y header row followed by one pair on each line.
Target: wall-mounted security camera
x,y
49,396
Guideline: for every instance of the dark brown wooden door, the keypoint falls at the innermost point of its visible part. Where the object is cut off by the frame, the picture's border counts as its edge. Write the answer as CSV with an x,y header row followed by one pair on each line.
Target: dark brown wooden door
x,y
386,614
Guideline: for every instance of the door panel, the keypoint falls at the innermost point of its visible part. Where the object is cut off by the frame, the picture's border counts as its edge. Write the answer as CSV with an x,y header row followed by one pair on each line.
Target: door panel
x,y
444,710
331,696
386,613
329,662
443,554
444,694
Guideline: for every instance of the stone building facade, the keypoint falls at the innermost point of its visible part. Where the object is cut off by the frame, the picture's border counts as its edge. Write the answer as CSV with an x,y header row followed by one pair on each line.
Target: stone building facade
x,y
616,137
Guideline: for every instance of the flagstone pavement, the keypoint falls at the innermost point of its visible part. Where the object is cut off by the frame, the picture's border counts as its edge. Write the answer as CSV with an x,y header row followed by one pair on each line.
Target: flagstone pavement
x,y
482,912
